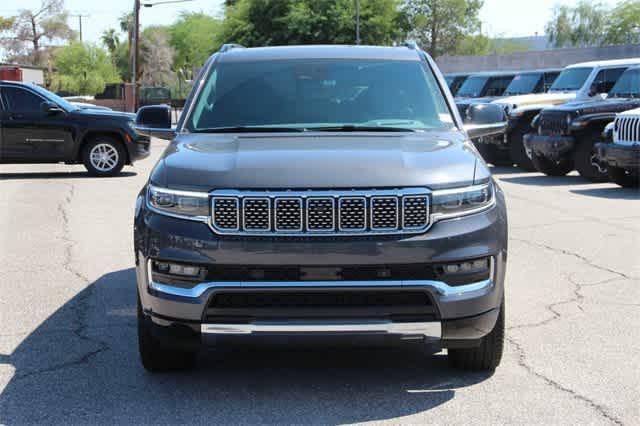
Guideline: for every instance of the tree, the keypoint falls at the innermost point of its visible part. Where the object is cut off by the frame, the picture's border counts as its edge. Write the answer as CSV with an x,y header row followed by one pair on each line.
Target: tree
x,y
483,45
111,40
580,26
156,57
623,23
194,36
82,69
284,22
24,36
440,25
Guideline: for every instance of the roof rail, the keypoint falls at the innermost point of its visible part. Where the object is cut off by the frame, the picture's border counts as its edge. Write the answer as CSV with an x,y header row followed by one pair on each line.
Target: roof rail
x,y
410,45
228,46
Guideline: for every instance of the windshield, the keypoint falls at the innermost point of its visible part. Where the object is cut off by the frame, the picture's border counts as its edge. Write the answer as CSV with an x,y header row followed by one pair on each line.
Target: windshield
x,y
66,105
472,87
307,94
523,84
570,79
628,86
449,81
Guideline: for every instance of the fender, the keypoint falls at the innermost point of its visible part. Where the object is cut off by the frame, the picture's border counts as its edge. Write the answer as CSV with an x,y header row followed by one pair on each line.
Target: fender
x,y
598,119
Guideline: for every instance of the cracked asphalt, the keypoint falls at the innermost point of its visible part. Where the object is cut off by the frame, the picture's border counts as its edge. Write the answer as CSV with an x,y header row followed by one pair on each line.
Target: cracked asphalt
x,y
68,349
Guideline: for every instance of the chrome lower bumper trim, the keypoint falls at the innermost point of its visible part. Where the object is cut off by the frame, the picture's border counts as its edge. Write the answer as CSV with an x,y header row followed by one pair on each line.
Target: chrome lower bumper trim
x,y
426,330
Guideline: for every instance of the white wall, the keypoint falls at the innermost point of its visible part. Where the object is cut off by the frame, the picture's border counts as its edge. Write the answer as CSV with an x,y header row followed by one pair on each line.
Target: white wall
x,y
33,76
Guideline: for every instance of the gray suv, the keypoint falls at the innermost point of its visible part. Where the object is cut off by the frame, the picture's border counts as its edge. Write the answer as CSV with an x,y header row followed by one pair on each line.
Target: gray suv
x,y
320,191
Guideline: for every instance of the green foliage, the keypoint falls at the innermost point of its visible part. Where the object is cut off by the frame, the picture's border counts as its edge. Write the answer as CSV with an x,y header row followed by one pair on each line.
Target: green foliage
x,y
580,26
286,22
82,69
194,36
623,23
439,26
483,45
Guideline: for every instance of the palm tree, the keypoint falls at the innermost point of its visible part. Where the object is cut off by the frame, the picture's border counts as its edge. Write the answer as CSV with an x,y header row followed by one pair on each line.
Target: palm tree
x,y
111,40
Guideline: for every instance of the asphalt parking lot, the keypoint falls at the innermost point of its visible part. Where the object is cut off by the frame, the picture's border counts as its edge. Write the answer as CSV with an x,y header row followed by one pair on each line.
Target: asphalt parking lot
x,y
68,349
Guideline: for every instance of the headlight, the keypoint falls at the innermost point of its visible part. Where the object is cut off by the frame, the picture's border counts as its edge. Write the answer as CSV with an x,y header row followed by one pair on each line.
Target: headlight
x,y
462,201
181,204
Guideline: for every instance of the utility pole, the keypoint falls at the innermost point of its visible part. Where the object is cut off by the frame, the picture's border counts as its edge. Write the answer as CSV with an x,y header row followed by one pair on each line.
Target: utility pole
x,y
135,34
357,21
80,16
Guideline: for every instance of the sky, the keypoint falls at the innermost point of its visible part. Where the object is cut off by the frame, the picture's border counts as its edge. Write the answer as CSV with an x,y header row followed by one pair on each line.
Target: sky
x,y
500,18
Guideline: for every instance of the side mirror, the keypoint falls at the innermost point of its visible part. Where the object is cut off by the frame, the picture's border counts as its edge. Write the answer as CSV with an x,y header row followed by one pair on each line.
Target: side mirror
x,y
50,108
597,88
155,121
485,120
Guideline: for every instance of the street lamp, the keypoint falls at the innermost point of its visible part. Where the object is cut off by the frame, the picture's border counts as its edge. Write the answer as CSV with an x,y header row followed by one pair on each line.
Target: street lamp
x,y
136,44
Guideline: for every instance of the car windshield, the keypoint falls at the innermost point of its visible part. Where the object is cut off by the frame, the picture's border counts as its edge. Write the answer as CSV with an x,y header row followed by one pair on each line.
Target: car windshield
x,y
523,84
570,79
472,87
303,94
628,86
65,104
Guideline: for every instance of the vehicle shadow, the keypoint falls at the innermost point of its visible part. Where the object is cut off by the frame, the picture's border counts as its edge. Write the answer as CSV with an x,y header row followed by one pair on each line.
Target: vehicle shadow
x,y
81,366
539,179
612,193
57,175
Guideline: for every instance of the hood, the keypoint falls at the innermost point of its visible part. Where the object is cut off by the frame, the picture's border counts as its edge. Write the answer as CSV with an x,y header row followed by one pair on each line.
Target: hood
x,y
104,114
470,101
632,112
553,98
319,160
596,106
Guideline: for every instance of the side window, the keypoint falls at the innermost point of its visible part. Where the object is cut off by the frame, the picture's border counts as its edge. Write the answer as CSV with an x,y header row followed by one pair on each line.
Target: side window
x,y
549,78
20,100
606,78
498,85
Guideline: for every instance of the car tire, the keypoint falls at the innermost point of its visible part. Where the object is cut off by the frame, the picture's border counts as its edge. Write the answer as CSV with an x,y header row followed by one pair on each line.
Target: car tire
x,y
583,158
104,156
493,155
516,150
158,358
621,177
549,167
485,357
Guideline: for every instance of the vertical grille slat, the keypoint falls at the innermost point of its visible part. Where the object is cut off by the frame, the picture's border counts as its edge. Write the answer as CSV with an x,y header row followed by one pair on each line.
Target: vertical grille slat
x,y
320,212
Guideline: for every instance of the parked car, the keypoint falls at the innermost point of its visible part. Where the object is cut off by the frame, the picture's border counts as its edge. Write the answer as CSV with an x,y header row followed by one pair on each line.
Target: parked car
x,y
524,83
566,134
620,151
344,200
582,81
454,81
38,126
485,84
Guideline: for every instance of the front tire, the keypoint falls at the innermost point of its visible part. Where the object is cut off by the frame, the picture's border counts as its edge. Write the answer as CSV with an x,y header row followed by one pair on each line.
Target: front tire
x,y
584,156
517,151
493,155
549,167
156,357
485,357
621,177
104,156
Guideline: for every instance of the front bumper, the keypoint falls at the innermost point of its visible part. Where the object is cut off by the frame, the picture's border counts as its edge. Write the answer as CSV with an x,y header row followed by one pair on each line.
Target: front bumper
x,y
553,147
138,148
616,155
462,314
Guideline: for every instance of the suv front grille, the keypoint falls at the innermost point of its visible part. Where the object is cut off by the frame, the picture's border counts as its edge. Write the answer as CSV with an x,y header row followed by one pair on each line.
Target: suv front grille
x,y
554,123
628,129
320,212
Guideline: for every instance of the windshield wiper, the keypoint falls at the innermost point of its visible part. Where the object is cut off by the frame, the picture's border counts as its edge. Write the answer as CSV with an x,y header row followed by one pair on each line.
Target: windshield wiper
x,y
354,128
248,129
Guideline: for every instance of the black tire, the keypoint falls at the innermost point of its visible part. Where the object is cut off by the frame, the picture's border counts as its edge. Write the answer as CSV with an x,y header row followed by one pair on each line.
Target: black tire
x,y
551,168
516,149
485,357
117,153
583,158
156,357
493,155
622,178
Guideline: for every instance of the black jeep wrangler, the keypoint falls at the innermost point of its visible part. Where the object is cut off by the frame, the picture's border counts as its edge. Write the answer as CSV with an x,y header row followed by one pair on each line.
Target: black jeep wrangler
x,y
565,135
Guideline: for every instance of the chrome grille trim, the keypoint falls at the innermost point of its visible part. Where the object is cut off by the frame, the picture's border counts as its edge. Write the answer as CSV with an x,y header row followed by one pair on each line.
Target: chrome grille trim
x,y
254,200
628,129
232,201
287,217
332,222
